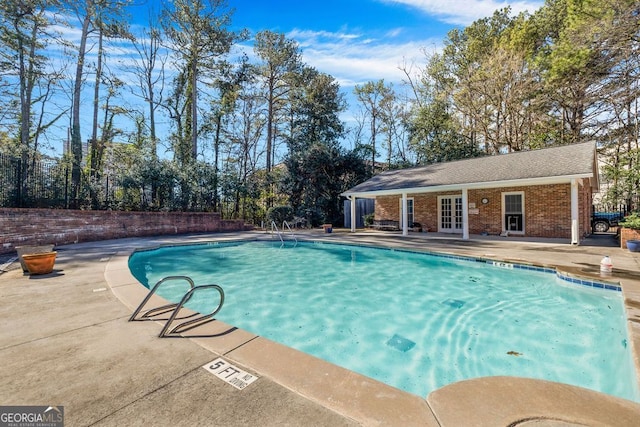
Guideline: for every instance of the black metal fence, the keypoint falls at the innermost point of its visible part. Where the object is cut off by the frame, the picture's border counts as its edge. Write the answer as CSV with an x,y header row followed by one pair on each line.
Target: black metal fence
x,y
622,209
34,184
47,183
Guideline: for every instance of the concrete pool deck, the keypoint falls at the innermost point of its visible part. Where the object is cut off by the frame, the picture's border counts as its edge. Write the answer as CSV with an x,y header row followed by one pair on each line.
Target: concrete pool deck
x,y
66,341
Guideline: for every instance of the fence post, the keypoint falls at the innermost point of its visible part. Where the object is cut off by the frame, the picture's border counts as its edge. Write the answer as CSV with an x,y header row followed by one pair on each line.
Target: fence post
x,y
66,187
106,195
19,184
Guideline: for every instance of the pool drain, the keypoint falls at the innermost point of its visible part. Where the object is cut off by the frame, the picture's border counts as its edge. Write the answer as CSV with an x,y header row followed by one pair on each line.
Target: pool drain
x,y
455,303
401,343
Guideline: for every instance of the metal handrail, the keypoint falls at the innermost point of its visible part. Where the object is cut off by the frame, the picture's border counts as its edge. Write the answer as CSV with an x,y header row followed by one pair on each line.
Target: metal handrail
x,y
286,224
275,227
148,315
189,324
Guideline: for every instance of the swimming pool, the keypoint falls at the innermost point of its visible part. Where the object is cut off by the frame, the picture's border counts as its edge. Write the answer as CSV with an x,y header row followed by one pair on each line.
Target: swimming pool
x,y
411,320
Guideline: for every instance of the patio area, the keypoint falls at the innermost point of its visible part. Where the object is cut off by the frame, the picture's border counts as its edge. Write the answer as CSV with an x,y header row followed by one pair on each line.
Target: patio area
x,y
66,341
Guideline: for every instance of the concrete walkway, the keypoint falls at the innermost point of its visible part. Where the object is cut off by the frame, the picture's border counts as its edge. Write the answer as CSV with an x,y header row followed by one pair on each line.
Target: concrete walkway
x,y
66,341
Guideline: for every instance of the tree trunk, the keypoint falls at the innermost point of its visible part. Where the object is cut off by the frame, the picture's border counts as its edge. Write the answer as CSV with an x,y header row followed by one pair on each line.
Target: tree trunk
x,y
270,112
194,109
76,138
96,152
26,87
96,106
216,152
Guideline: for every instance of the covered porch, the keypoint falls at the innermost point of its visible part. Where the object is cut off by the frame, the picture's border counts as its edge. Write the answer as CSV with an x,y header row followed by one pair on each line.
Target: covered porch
x,y
472,211
538,193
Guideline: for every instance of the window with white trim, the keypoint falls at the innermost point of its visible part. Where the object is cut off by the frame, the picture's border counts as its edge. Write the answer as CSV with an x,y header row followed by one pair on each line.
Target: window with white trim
x,y
513,212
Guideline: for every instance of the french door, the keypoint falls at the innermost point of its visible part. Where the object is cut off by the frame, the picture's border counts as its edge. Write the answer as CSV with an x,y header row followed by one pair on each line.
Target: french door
x,y
450,214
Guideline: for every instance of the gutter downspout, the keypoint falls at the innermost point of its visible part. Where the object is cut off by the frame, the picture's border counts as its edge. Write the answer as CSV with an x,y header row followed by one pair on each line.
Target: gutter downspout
x,y
353,213
575,233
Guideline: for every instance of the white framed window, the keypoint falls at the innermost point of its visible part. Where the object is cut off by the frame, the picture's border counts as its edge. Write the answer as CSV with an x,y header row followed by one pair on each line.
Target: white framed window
x,y
513,212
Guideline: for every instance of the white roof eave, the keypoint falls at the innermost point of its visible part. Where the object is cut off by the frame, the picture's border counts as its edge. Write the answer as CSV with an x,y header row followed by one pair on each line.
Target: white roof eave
x,y
469,186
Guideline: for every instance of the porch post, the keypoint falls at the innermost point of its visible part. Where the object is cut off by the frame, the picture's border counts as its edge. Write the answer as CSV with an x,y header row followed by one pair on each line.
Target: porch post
x,y
575,232
465,214
353,213
405,216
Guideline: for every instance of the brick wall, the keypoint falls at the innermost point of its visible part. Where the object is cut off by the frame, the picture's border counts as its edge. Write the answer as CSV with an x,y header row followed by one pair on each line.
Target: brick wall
x,y
547,209
628,234
387,208
59,226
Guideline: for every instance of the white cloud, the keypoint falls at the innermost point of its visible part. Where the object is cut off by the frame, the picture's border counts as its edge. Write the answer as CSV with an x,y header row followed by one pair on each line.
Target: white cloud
x,y
297,34
395,32
353,59
464,12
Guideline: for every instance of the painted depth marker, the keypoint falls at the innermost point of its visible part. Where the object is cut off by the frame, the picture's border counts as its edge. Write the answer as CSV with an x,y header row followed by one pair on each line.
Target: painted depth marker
x,y
502,265
230,374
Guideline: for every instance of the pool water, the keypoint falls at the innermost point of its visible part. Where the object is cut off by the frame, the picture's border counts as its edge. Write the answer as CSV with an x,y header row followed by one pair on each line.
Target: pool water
x,y
414,321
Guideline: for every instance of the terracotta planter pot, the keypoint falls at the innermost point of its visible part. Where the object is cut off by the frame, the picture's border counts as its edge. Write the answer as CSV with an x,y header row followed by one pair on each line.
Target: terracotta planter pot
x,y
40,263
37,249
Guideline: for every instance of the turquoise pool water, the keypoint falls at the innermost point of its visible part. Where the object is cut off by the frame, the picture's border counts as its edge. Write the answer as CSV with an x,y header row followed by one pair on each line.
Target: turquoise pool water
x,y
411,320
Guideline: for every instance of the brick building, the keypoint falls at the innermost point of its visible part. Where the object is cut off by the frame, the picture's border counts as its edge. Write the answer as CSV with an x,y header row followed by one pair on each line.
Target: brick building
x,y
538,193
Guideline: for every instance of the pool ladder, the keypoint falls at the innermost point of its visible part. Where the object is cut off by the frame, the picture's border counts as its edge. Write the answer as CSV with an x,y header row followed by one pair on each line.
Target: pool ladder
x,y
285,224
189,321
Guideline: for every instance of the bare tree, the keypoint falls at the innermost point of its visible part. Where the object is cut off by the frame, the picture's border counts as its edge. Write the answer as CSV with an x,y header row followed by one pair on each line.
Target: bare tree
x,y
24,34
94,15
375,98
280,59
199,37
149,69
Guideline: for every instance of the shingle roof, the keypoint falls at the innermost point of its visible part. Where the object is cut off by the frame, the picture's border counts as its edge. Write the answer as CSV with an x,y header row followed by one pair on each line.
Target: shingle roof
x,y
576,160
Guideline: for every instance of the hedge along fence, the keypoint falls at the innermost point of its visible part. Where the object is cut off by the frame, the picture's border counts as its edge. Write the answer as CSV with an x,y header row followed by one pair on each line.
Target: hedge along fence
x,y
62,226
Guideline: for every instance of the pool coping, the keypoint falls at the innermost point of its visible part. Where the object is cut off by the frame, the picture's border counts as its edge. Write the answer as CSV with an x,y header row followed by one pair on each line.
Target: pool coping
x,y
371,402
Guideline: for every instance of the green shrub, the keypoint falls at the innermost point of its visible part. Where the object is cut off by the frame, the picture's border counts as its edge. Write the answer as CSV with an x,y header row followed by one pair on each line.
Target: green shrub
x,y
278,214
368,219
632,221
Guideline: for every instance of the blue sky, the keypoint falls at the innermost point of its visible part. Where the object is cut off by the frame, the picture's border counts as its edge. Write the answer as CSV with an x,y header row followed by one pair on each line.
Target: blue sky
x,y
362,40
355,41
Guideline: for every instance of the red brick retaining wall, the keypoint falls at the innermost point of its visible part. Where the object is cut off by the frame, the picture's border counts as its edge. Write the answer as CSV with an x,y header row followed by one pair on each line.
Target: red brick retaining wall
x,y
628,234
60,226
